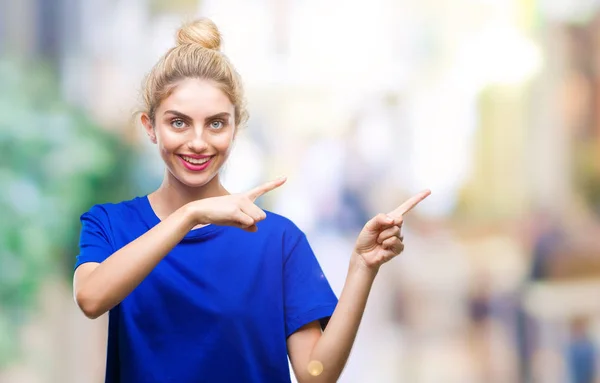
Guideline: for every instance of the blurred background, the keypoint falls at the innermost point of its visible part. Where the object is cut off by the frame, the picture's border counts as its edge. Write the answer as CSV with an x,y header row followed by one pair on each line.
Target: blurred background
x,y
492,104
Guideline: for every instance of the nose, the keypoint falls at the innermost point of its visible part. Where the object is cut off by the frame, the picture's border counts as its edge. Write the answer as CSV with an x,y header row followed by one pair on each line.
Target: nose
x,y
197,143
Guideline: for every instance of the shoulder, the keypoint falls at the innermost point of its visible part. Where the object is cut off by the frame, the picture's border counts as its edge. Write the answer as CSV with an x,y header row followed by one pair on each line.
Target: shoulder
x,y
116,223
281,224
104,213
276,226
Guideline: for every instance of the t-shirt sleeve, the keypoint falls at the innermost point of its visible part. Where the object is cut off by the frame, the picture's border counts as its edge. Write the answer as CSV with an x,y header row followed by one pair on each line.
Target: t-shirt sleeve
x,y
307,293
94,240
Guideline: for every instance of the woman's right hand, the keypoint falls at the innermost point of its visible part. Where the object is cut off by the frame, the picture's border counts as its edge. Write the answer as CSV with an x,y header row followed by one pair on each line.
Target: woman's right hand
x,y
238,210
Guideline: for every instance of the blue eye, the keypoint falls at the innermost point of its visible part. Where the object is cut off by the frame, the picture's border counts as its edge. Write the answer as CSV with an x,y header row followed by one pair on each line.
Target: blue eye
x,y
216,124
178,124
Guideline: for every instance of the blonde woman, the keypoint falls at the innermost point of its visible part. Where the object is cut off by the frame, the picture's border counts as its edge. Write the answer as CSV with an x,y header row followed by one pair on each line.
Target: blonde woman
x,y
202,285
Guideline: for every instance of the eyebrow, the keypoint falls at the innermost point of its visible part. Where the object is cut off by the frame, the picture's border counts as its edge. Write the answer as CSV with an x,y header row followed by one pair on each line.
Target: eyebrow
x,y
183,116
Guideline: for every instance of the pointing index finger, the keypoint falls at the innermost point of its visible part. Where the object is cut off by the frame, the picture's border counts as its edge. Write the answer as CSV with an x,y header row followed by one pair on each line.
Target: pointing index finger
x,y
265,188
410,203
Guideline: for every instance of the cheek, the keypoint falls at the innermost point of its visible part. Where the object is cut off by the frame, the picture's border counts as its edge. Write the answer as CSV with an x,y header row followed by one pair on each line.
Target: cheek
x,y
224,142
165,145
164,152
165,140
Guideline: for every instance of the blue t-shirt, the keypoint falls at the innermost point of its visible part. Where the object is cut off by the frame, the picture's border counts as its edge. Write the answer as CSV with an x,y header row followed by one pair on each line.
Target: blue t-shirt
x,y
218,308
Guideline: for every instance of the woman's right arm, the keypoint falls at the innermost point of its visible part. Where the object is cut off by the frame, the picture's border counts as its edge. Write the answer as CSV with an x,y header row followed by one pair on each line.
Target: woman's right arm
x,y
98,287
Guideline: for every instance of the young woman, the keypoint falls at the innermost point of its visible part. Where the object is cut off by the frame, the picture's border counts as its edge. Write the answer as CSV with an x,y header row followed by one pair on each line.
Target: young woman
x,y
202,285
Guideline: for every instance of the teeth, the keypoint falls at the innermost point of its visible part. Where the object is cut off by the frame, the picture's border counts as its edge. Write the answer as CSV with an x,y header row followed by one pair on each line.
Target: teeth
x,y
195,161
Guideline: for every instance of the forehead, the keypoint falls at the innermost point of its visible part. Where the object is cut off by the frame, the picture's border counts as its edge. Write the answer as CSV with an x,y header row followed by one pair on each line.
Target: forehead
x,y
197,98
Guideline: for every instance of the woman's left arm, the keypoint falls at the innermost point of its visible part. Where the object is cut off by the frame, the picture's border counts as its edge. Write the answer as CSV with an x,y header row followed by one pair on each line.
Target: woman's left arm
x,y
321,356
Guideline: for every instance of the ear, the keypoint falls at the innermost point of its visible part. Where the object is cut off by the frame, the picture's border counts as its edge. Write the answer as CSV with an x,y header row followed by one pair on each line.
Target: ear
x,y
149,127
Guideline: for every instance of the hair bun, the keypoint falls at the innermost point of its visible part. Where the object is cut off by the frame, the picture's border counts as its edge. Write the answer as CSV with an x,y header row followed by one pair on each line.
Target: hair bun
x,y
201,31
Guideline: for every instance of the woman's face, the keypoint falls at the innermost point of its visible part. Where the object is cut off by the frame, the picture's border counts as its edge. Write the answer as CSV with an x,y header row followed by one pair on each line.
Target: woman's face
x,y
194,128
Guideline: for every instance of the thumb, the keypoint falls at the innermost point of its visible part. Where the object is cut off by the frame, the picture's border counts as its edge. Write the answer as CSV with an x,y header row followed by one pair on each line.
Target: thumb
x,y
251,229
379,223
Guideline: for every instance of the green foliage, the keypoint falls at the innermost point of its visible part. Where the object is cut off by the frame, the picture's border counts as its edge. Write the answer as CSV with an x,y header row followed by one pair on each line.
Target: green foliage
x,y
54,164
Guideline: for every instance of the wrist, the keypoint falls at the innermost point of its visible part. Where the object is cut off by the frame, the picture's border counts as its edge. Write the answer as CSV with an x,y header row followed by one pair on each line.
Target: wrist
x,y
194,213
359,267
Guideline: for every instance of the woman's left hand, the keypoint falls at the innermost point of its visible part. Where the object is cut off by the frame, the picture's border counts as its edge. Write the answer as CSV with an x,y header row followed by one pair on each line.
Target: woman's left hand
x,y
381,238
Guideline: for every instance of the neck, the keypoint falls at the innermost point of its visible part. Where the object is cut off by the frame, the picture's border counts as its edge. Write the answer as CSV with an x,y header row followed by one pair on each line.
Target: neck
x,y
172,194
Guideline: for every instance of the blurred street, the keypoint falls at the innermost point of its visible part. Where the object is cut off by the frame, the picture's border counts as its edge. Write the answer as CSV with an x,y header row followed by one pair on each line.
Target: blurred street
x,y
491,104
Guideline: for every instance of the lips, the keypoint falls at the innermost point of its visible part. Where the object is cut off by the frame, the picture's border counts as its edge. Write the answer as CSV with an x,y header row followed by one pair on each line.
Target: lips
x,y
196,163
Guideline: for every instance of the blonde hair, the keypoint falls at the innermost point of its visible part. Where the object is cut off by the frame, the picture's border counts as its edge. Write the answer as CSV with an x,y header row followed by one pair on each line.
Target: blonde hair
x,y
196,55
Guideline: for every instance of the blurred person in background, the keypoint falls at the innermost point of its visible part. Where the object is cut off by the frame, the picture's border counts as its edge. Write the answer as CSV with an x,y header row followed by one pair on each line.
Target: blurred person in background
x,y
581,352
203,284
546,236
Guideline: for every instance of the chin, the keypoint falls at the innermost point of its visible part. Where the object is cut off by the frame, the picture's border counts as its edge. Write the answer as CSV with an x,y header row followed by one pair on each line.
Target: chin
x,y
195,181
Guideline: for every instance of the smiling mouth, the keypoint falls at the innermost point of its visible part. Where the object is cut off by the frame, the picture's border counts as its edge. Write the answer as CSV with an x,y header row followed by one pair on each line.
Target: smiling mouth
x,y
196,161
